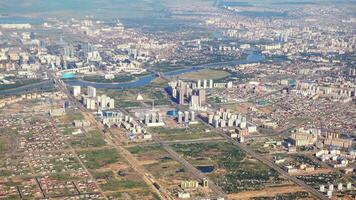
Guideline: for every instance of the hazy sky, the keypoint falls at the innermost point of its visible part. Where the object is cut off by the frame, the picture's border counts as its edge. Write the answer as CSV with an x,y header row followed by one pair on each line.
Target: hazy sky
x,y
129,8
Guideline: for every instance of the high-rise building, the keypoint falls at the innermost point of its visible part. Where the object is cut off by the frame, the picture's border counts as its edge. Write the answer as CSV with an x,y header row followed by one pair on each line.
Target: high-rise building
x,y
192,116
211,83
160,119
180,117
180,97
205,183
153,118
76,91
194,101
202,97
204,83
147,118
322,188
210,118
91,91
186,117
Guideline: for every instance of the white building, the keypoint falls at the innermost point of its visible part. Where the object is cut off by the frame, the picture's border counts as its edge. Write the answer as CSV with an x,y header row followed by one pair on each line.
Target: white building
x,y
76,90
91,91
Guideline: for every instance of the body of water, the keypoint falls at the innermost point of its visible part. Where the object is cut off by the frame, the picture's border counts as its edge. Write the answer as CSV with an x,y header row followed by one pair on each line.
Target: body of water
x,y
28,88
205,169
253,57
20,20
263,14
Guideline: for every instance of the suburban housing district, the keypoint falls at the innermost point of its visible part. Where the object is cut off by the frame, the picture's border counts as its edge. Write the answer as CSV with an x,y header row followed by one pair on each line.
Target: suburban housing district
x,y
195,100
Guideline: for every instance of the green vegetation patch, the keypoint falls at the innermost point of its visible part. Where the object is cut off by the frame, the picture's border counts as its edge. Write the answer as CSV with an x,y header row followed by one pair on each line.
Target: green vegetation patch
x,y
63,177
196,131
3,144
153,92
320,179
302,159
135,194
143,149
286,196
19,83
234,170
99,158
73,115
93,139
205,74
114,184
117,79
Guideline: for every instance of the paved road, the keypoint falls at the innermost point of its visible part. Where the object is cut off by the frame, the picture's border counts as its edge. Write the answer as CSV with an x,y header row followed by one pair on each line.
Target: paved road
x,y
111,139
195,172
272,165
189,166
79,160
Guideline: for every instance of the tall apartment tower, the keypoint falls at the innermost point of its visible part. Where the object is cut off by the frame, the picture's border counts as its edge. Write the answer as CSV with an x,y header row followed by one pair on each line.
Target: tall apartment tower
x,y
205,83
180,97
91,91
180,117
198,84
211,83
76,90
202,97
186,116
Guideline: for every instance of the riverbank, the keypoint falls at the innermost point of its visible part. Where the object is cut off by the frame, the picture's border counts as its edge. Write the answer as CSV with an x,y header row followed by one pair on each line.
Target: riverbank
x,y
18,84
40,86
117,79
253,57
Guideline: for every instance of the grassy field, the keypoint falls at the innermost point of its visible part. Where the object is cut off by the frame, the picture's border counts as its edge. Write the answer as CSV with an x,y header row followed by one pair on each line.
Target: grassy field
x,y
67,129
19,83
3,144
152,92
141,149
121,179
92,139
114,184
155,159
70,116
198,131
205,74
134,194
99,158
117,79
230,164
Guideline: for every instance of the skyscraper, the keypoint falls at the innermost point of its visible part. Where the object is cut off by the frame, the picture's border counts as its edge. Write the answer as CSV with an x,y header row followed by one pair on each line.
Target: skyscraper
x,y
180,96
91,91
202,97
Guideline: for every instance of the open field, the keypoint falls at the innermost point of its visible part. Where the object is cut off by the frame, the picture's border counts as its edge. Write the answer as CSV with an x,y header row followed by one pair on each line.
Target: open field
x,y
117,79
196,131
168,172
92,138
18,83
205,74
4,144
229,164
99,158
155,158
270,192
70,116
125,98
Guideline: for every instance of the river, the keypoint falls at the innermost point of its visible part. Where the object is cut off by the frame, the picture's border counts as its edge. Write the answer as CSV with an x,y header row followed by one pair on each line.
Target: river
x,y
145,80
39,86
253,57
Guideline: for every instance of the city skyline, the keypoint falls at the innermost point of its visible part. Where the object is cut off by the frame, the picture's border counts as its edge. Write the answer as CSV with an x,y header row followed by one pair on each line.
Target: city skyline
x,y
178,99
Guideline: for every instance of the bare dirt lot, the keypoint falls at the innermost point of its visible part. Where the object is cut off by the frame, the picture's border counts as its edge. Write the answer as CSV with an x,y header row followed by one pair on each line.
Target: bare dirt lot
x,y
268,192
